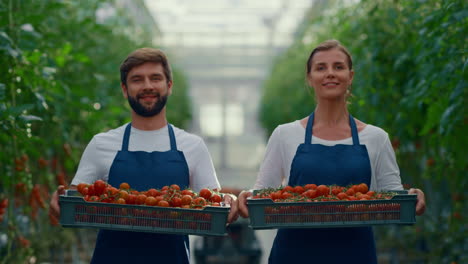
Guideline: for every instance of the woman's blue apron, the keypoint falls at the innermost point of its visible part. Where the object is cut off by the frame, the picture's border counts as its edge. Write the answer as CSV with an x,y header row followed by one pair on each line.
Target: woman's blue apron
x,y
342,165
145,170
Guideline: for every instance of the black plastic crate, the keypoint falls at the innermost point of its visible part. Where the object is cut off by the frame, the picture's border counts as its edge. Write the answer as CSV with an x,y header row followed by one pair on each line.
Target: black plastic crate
x,y
267,214
76,212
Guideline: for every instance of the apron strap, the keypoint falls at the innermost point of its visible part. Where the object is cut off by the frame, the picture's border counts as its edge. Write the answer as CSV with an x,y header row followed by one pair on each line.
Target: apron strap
x,y
354,132
172,137
126,137
308,134
310,122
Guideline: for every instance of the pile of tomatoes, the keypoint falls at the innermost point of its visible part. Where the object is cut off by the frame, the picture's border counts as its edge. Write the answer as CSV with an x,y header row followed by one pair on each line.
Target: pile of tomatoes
x,y
168,196
314,193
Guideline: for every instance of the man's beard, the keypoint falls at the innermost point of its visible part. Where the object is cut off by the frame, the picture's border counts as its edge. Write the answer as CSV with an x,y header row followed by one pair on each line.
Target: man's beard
x,y
141,110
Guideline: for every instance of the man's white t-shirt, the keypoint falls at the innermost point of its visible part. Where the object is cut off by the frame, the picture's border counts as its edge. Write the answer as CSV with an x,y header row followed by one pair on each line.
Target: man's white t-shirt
x,y
98,156
285,139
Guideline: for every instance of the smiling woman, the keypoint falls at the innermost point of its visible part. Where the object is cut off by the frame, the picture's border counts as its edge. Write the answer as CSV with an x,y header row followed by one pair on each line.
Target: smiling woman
x,y
330,70
329,147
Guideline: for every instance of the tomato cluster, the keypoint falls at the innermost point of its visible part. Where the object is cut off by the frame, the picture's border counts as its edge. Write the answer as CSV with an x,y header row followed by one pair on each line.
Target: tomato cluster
x,y
313,193
3,207
168,196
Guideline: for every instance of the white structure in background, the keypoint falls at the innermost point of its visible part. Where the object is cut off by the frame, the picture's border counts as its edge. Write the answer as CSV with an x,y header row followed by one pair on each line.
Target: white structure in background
x,y
132,12
226,48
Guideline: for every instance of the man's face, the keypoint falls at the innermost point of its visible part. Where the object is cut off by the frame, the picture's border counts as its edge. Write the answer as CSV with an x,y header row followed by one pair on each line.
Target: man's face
x,y
147,89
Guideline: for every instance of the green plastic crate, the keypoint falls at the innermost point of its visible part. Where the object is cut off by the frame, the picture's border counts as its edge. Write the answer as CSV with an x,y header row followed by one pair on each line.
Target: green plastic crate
x,y
76,212
266,214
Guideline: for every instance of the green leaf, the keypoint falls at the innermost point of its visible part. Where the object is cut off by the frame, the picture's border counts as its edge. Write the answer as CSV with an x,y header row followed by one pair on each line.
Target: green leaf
x,y
18,110
2,91
458,91
29,118
447,119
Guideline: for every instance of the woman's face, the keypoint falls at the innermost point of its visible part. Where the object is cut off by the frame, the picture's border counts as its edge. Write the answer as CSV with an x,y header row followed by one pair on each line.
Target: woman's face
x,y
330,75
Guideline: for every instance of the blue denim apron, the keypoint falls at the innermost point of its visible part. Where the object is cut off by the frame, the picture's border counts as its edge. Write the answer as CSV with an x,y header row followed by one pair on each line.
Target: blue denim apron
x,y
145,170
342,165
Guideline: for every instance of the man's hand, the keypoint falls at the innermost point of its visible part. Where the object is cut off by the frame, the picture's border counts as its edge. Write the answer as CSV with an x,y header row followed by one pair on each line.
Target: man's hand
x,y
243,209
232,201
421,200
54,208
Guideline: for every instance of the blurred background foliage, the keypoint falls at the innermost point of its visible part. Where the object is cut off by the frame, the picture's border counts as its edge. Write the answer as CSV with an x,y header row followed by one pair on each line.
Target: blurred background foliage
x,y
59,85
410,62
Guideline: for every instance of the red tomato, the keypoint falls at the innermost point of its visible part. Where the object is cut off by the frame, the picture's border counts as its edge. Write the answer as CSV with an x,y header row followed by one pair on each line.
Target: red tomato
x,y
205,193
91,190
298,189
124,186
365,197
84,191
350,192
4,203
151,201
286,195
123,194
186,199
131,199
112,190
99,187
310,186
176,202
215,198
140,199
336,190
323,190
311,193
362,188
342,196
163,203
80,187
187,192
152,192
159,198
199,202
288,189
275,195
175,187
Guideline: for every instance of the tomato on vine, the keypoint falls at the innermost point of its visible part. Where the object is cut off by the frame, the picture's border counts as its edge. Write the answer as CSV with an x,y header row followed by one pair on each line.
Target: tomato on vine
x,y
99,187
205,193
215,198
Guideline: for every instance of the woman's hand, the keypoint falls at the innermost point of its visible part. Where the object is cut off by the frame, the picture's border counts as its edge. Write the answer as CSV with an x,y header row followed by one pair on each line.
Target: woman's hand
x,y
243,209
54,208
232,201
421,200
